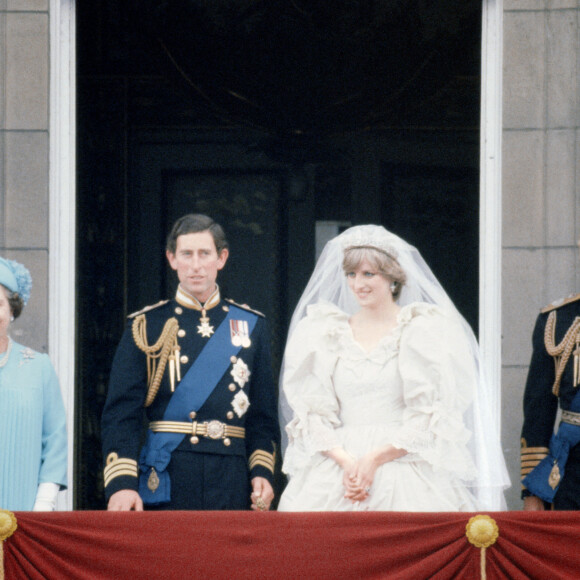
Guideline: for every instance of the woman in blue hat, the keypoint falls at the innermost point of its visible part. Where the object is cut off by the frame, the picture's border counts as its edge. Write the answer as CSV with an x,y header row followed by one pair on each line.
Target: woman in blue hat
x,y
33,440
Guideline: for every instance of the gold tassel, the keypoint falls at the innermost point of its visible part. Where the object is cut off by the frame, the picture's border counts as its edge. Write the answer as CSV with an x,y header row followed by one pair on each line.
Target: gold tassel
x,y
177,364
482,532
172,373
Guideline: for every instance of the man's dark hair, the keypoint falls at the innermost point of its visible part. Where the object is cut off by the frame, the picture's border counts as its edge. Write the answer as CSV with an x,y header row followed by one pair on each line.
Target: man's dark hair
x,y
193,223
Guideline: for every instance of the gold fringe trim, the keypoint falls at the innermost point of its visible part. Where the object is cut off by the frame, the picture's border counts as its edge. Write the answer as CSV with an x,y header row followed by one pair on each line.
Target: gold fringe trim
x,y
562,351
482,532
158,353
8,526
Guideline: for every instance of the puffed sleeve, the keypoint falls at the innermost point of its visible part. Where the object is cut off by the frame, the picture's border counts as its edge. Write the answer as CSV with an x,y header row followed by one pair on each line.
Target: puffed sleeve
x,y
309,359
53,467
439,382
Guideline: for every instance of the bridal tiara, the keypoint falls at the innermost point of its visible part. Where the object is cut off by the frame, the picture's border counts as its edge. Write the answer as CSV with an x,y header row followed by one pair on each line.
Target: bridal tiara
x,y
370,237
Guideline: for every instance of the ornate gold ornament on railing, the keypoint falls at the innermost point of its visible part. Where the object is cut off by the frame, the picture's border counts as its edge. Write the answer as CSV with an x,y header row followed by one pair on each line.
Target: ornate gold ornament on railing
x,y
482,532
7,528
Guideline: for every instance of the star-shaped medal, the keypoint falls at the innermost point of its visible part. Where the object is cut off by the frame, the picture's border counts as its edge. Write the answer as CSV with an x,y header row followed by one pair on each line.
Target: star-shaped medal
x,y
205,329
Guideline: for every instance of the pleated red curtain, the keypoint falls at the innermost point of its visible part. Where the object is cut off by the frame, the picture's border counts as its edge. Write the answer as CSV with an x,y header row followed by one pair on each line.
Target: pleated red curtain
x,y
102,545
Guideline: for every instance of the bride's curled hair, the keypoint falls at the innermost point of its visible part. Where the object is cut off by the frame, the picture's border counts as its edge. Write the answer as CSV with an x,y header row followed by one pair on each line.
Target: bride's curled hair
x,y
386,264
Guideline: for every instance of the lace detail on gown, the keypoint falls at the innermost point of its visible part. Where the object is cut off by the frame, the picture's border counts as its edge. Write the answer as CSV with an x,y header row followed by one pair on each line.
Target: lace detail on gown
x,y
411,390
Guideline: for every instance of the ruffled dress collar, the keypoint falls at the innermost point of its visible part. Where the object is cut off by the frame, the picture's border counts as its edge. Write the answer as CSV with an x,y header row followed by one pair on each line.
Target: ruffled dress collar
x,y
339,335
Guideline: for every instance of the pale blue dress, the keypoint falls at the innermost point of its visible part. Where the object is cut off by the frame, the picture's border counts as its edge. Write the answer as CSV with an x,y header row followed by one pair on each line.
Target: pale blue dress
x,y
33,439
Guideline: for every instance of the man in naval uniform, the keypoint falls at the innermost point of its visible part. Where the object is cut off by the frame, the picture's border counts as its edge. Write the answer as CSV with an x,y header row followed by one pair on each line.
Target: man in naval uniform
x,y
550,462
199,367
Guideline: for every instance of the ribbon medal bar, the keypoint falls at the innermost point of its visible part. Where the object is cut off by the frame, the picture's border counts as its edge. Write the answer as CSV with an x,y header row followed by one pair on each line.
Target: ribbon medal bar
x,y
240,333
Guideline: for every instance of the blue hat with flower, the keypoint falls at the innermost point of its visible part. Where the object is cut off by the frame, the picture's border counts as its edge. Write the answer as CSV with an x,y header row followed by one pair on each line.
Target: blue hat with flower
x,y
15,277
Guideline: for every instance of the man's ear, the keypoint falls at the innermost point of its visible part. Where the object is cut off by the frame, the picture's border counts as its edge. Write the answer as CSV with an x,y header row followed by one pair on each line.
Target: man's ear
x,y
171,259
223,258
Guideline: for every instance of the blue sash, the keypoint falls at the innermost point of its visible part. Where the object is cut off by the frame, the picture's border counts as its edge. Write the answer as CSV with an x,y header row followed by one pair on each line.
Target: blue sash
x,y
191,393
538,480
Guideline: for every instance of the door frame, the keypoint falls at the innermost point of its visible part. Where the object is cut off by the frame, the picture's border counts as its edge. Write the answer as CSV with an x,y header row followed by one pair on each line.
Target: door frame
x,y
490,205
62,204
62,214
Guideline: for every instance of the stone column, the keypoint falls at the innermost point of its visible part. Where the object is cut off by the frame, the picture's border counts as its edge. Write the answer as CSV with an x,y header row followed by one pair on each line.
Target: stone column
x,y
541,155
24,153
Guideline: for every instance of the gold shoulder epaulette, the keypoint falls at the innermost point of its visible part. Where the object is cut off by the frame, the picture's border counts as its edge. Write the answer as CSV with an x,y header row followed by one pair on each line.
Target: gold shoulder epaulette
x,y
561,302
245,307
148,308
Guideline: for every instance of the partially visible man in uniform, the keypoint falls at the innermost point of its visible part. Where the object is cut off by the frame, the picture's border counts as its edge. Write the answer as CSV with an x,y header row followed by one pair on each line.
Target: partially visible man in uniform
x,y
550,463
199,366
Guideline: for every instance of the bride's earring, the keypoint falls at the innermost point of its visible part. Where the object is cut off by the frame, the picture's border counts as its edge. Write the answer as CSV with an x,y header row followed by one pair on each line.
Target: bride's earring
x,y
393,287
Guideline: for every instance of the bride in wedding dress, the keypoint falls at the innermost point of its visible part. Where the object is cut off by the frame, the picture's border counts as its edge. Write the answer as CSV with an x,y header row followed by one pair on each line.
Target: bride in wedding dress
x,y
381,393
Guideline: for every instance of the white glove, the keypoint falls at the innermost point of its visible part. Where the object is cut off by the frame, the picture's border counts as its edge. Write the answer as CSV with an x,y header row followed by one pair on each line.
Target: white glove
x,y
46,497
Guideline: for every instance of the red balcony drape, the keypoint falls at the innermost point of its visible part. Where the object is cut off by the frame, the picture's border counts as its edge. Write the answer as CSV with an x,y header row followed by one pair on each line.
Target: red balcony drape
x,y
178,545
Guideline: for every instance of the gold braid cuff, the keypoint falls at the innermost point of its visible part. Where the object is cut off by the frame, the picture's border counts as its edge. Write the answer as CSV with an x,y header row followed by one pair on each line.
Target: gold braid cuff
x,y
117,466
531,457
562,351
263,458
158,353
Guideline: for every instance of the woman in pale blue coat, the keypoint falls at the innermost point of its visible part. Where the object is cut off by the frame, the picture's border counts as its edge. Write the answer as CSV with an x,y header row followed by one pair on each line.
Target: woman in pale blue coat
x,y
33,440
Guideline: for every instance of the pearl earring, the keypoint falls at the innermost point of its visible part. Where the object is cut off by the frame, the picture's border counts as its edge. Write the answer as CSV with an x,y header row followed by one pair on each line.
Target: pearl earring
x,y
12,319
393,287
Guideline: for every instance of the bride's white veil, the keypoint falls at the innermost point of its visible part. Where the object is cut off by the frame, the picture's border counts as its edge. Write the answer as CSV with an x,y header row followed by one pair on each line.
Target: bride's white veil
x,y
329,283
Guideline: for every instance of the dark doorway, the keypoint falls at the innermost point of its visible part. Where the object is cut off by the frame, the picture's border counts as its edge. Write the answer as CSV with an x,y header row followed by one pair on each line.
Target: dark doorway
x,y
271,116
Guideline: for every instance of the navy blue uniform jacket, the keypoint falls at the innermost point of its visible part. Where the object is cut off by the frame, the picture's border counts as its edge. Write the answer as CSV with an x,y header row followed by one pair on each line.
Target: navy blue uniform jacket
x,y
123,416
541,404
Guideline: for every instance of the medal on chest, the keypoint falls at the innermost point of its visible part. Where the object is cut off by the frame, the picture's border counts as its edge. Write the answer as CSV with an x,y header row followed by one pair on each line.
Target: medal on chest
x,y
204,329
240,333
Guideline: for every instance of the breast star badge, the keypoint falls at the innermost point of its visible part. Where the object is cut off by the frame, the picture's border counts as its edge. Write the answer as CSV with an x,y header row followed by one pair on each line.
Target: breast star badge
x,y
240,372
240,403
